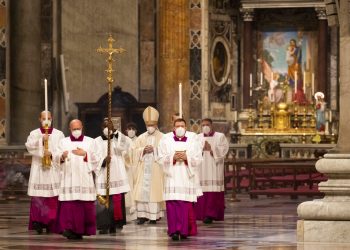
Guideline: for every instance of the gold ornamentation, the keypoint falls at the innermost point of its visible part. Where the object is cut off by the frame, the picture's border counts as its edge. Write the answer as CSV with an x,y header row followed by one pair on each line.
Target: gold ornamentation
x,y
110,51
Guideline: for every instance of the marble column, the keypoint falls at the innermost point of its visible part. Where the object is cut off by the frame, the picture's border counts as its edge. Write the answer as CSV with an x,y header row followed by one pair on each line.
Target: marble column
x,y
26,91
173,58
322,76
247,54
328,219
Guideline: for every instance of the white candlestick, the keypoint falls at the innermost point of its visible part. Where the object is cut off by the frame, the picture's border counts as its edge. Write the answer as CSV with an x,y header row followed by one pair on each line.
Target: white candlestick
x,y
250,92
46,105
304,82
295,81
261,78
250,80
180,99
313,84
330,115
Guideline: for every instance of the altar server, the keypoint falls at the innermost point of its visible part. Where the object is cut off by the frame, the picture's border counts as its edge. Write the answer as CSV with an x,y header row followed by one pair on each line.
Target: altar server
x,y
180,156
44,181
79,158
114,217
211,174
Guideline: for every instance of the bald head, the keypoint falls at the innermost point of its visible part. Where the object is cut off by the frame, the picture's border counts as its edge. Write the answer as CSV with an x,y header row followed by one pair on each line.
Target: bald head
x,y
75,125
42,118
42,114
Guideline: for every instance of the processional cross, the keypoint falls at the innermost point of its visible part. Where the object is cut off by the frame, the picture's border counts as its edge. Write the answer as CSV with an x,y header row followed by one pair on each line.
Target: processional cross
x,y
110,51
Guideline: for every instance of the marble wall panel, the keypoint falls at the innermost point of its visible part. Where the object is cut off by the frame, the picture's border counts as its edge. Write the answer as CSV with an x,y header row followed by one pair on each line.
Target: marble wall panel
x,y
85,26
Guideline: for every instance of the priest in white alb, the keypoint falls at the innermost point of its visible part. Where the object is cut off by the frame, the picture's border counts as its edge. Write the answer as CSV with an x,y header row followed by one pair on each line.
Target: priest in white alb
x,y
79,158
44,182
131,131
114,217
148,187
215,146
180,156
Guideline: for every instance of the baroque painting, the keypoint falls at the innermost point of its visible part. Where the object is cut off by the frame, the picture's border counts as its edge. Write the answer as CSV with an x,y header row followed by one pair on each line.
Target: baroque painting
x,y
288,64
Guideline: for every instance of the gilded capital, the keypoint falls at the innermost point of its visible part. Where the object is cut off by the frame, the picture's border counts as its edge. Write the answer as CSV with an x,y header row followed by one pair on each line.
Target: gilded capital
x,y
321,13
247,14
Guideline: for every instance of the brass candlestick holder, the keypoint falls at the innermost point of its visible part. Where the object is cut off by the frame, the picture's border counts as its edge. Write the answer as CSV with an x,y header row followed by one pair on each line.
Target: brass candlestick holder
x,y
295,120
46,160
250,117
261,116
303,121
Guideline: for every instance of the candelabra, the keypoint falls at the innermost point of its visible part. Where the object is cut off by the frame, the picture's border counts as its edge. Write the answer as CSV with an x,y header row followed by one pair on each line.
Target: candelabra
x,y
250,117
261,118
303,121
295,121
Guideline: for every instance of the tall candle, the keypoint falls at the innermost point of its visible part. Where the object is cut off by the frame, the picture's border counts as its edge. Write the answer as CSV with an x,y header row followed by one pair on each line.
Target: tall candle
x,y
46,105
235,116
180,99
313,84
330,116
261,78
295,81
304,82
250,80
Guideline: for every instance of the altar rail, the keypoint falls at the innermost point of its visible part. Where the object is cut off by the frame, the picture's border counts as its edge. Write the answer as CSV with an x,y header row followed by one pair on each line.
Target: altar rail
x,y
292,177
300,150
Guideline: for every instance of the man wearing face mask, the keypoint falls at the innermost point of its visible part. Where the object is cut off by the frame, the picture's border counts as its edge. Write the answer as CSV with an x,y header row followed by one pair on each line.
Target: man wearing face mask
x,y
114,217
180,156
211,174
79,158
44,183
131,130
148,186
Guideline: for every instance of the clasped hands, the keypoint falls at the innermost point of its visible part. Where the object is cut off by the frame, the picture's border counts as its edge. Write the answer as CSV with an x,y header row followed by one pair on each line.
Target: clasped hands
x,y
78,151
180,156
148,149
207,146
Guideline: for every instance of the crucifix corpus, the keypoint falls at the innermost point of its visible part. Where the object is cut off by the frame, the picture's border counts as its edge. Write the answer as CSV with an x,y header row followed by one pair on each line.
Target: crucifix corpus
x,y
110,51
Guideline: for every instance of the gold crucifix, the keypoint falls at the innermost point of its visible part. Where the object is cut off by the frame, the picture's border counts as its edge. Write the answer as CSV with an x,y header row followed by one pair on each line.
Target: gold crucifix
x,y
110,51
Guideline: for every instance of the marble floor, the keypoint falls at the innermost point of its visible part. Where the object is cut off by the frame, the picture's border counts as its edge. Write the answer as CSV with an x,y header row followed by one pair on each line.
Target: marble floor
x,y
264,223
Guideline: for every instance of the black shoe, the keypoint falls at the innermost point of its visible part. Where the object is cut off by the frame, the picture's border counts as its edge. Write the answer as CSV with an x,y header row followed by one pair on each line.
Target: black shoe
x,y
152,222
70,235
103,231
37,226
175,237
183,237
141,221
208,220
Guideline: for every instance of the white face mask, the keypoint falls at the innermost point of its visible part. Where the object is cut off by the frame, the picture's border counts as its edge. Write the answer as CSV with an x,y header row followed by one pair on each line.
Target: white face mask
x,y
76,133
151,130
105,131
180,131
206,130
131,133
44,122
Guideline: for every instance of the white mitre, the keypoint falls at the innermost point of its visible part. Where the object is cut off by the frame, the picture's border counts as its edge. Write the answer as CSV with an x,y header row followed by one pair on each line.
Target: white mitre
x,y
150,116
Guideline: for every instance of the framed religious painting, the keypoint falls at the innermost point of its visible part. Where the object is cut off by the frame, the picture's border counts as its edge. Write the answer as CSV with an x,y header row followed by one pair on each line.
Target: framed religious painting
x,y
287,49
